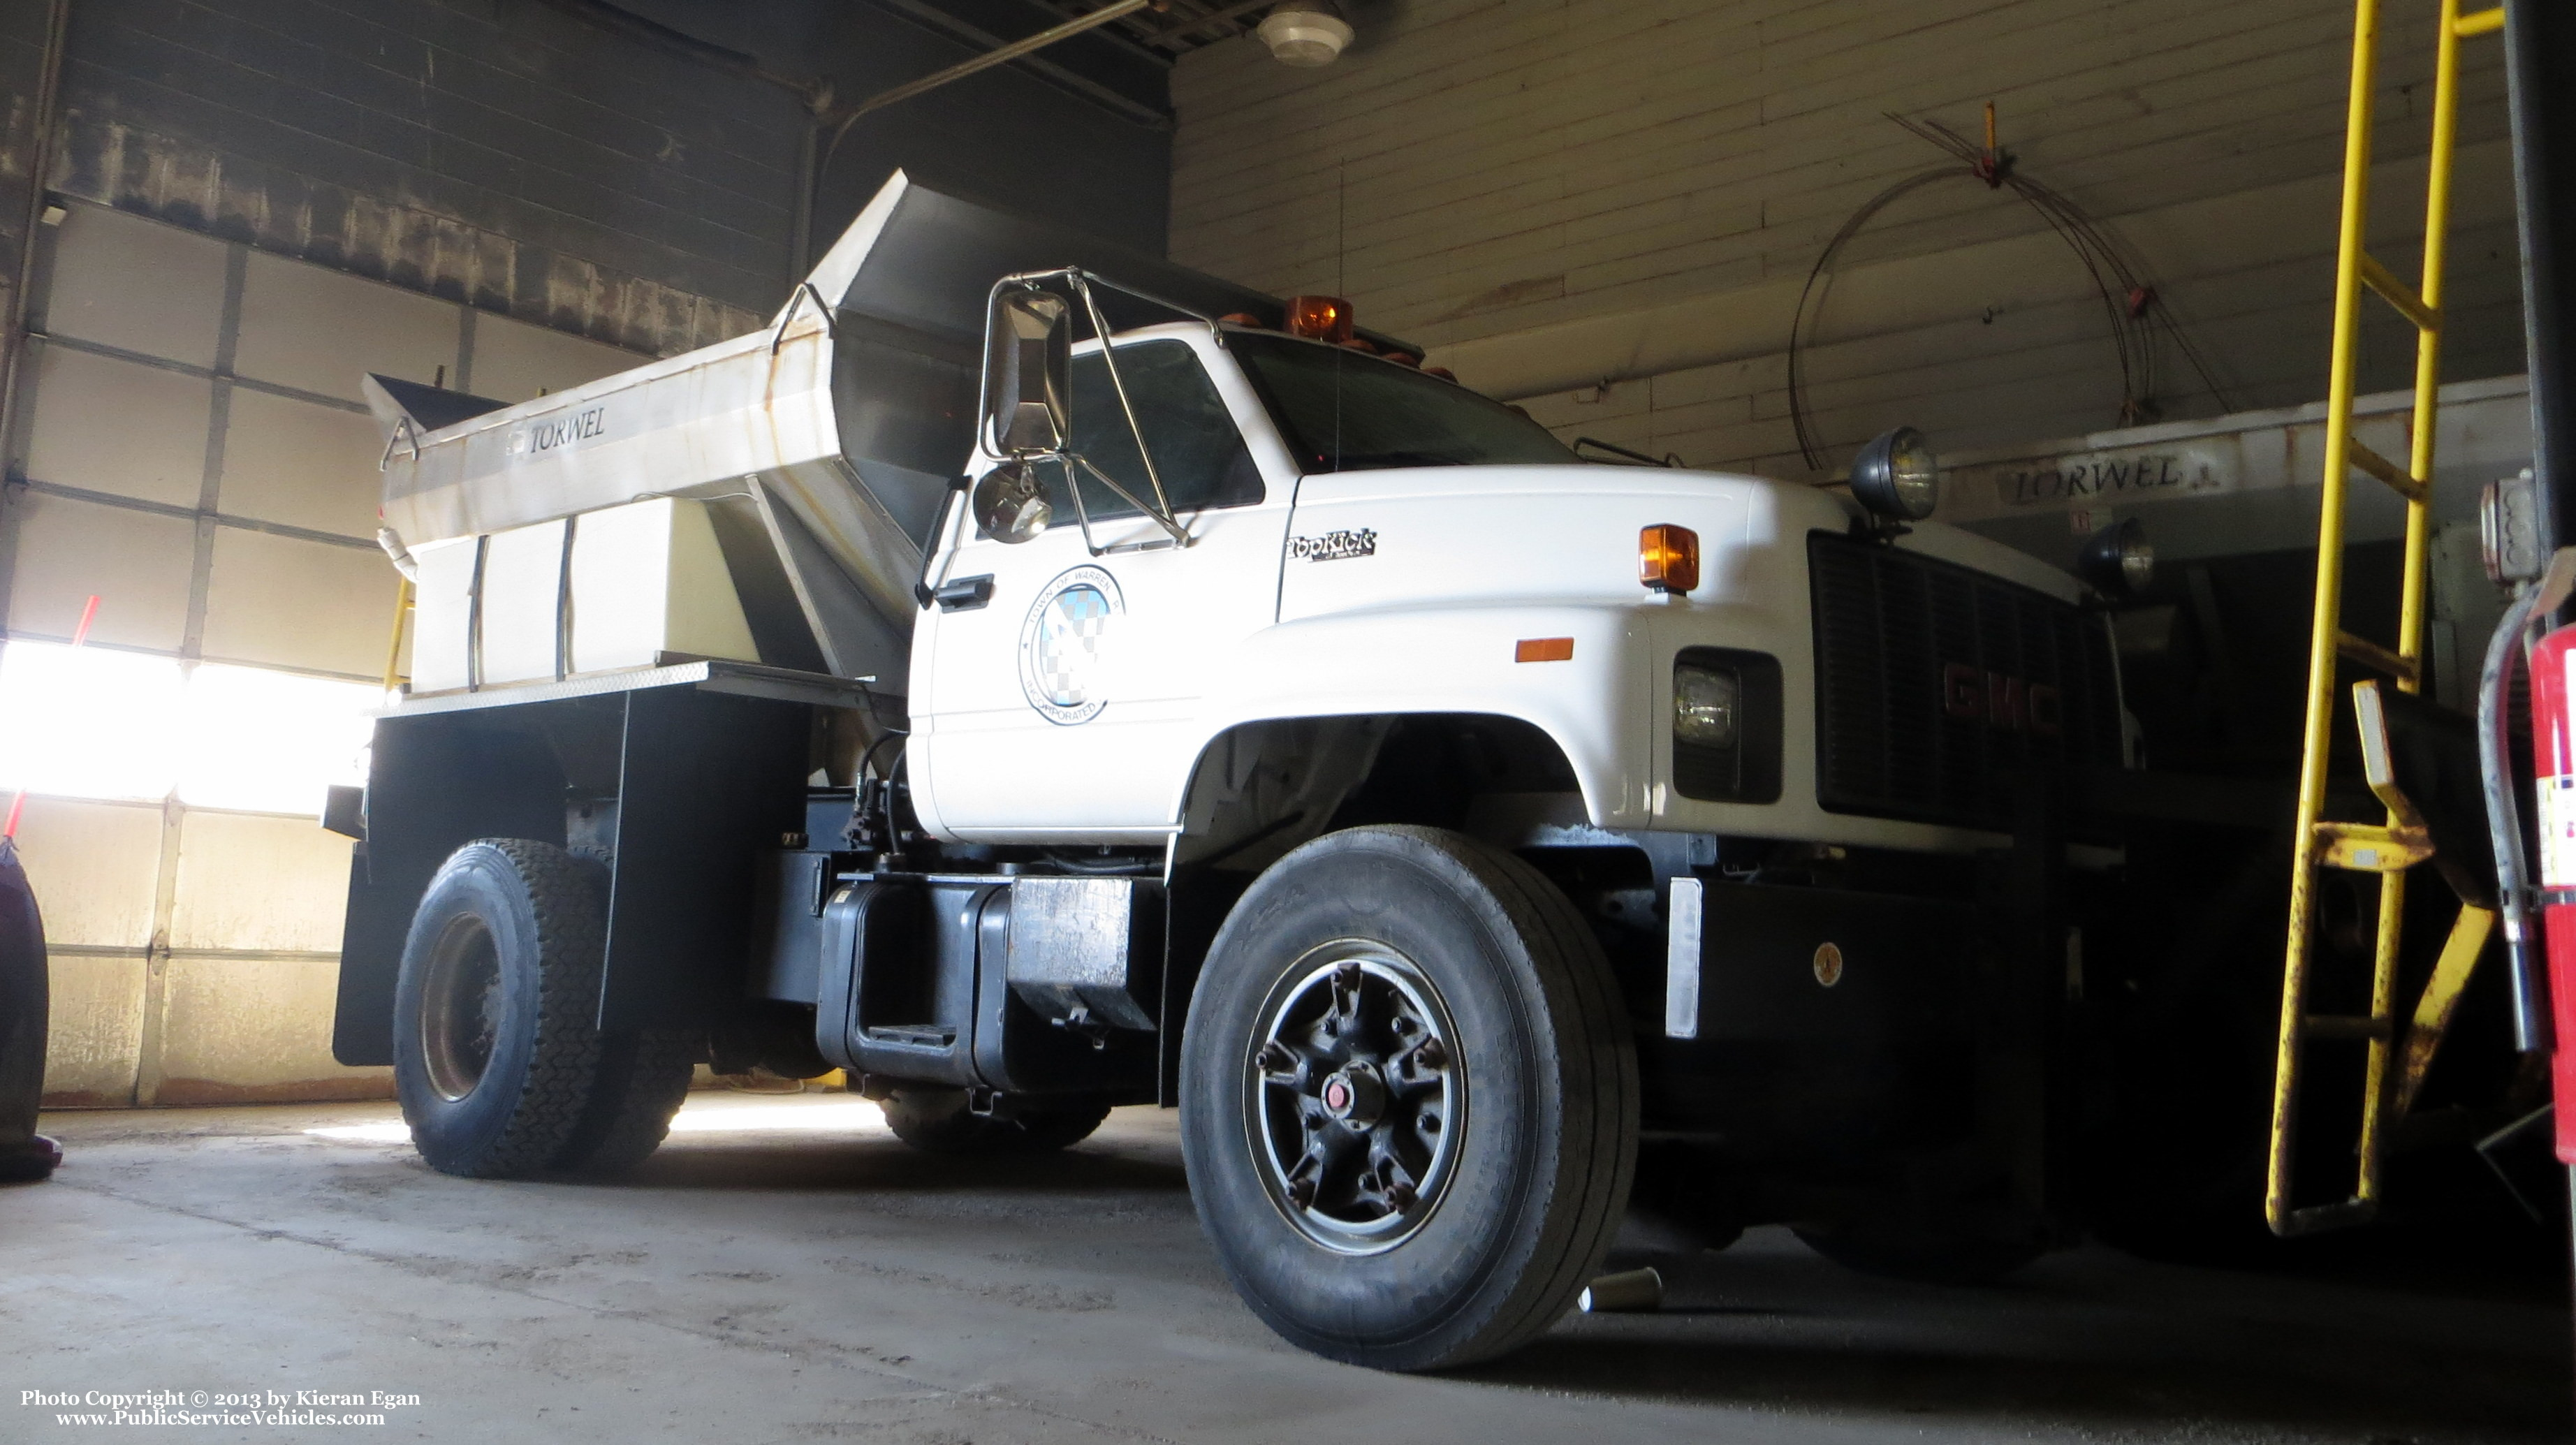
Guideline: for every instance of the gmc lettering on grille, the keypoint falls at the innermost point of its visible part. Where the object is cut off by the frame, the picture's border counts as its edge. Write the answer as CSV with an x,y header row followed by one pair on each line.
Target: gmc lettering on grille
x,y
2000,701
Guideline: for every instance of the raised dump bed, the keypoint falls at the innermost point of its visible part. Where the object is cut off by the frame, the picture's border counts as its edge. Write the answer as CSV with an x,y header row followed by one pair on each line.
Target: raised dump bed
x,y
763,499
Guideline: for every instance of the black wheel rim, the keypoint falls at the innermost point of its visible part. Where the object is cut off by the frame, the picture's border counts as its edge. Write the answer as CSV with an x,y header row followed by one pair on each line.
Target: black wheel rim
x,y
1355,1097
460,1007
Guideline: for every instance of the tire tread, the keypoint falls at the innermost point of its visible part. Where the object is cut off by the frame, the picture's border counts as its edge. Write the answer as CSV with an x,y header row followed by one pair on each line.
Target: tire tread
x,y
642,1080
563,896
1612,1127
1567,999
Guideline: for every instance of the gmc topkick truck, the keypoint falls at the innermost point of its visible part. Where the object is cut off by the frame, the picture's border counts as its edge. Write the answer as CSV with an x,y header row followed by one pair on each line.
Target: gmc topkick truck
x,y
1034,678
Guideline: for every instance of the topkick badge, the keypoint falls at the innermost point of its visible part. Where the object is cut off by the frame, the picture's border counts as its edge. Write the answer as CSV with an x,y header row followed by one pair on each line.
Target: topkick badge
x,y
1064,642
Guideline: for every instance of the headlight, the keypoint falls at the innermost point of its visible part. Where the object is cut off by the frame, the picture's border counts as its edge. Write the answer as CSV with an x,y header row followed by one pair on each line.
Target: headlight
x,y
2119,562
1704,706
1726,725
1896,476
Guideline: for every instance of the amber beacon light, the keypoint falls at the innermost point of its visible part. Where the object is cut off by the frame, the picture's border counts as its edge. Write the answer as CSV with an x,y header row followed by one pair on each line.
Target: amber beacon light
x,y
1321,318
1668,558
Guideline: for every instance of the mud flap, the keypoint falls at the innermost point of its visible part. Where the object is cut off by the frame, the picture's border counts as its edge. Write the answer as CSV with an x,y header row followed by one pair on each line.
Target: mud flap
x,y
25,1155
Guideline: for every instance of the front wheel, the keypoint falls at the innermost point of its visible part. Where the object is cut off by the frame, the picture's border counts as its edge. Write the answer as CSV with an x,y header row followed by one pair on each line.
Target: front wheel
x,y
1408,1099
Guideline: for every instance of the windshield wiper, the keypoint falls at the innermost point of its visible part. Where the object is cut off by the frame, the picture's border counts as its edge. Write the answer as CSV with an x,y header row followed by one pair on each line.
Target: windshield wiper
x,y
1637,458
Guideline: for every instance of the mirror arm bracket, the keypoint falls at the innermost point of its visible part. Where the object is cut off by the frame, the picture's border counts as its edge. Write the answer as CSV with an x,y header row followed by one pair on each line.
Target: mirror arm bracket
x,y
1073,489
1162,509
921,588
1180,534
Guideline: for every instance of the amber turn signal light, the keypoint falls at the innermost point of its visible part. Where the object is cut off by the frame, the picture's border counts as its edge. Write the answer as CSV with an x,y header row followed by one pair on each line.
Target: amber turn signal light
x,y
1668,558
1321,318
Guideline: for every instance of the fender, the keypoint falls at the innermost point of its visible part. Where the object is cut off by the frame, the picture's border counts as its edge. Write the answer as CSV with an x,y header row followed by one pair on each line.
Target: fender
x,y
677,780
1586,684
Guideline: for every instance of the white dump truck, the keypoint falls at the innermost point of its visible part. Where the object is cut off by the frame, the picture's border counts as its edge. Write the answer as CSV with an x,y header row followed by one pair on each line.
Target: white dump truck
x,y
1035,678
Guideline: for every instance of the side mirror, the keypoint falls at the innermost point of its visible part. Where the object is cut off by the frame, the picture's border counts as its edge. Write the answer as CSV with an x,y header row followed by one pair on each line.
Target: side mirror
x,y
1010,505
1028,375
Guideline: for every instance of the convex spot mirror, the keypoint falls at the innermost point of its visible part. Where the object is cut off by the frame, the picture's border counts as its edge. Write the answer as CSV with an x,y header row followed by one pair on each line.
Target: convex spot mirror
x,y
1028,374
1010,505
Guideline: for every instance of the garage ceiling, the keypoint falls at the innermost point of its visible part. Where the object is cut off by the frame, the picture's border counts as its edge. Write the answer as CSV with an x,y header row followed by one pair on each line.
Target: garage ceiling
x,y
1181,26
1186,26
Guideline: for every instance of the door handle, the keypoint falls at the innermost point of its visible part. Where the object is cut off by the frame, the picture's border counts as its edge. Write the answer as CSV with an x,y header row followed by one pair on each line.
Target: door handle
x,y
963,594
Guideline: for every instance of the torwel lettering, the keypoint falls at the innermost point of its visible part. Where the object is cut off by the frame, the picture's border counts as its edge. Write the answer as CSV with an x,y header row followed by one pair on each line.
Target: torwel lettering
x,y
556,433
2075,478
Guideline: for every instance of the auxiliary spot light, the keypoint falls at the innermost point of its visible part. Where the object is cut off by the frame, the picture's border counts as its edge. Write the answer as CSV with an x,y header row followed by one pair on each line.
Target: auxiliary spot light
x,y
2119,561
1896,477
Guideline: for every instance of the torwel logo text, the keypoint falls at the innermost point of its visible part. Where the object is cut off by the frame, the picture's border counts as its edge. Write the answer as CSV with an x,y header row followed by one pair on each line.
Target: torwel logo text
x,y
556,433
2104,476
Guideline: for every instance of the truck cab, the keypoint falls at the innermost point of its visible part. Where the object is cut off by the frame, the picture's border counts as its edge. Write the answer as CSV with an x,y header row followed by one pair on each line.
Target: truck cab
x,y
1363,538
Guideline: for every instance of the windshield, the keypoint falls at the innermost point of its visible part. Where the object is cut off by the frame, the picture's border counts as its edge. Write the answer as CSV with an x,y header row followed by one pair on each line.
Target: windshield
x,y
1341,411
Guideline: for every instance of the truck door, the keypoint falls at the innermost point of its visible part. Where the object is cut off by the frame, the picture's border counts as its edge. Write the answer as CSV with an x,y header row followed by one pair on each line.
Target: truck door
x,y
1065,708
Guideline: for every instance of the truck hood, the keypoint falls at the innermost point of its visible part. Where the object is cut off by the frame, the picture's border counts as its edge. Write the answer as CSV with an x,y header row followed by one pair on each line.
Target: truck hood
x,y
1756,510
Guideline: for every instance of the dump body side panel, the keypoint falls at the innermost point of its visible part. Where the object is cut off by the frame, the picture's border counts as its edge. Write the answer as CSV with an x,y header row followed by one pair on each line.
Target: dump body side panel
x,y
434,784
679,782
707,782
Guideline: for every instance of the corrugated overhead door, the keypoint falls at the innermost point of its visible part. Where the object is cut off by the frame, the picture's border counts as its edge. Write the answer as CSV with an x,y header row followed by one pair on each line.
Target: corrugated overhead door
x,y
194,452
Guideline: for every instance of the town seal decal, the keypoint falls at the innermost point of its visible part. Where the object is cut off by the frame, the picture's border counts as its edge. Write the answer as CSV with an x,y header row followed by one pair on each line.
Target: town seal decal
x,y
1064,645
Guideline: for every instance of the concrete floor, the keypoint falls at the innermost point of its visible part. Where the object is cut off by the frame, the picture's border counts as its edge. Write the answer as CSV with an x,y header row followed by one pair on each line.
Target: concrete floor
x,y
785,1271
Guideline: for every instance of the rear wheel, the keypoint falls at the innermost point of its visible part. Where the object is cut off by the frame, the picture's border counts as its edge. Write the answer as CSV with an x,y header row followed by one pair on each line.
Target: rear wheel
x,y
1408,1099
495,1050
498,1058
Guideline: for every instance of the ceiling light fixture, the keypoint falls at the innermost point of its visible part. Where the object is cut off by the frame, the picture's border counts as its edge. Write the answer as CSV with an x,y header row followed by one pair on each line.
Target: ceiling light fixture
x,y
1305,33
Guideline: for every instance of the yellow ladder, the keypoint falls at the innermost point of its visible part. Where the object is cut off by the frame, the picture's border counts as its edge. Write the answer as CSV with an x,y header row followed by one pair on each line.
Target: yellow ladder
x,y
2389,849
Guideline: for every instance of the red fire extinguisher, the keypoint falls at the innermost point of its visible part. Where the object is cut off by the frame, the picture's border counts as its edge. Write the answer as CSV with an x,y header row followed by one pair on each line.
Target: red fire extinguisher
x,y
2553,747
2535,887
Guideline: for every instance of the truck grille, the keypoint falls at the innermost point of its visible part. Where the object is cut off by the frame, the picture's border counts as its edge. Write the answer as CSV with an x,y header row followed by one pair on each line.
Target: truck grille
x,y
1936,684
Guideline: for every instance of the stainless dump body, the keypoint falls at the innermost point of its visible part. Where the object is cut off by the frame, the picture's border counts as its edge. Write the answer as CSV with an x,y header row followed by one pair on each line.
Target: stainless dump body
x,y
820,443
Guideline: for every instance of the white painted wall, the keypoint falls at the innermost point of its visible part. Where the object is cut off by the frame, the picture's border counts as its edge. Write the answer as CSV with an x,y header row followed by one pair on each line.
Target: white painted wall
x,y
1555,193
198,456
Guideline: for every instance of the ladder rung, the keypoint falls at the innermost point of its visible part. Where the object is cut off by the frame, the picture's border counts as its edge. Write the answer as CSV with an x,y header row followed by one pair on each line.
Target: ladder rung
x,y
2345,1026
2405,483
2398,294
2479,22
2317,1217
2376,657
2367,848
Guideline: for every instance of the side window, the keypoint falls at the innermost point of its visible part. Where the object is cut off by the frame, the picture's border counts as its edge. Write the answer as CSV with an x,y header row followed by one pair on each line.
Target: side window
x,y
1196,448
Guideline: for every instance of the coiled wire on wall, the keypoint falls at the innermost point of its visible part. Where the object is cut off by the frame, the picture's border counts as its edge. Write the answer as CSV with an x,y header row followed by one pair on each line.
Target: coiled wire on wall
x,y
2130,303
